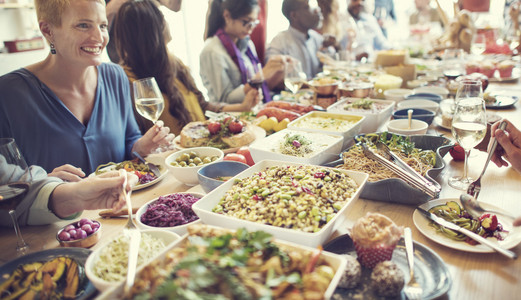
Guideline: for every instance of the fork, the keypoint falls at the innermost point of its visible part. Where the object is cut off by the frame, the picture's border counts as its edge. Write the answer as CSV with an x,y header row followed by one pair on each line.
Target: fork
x,y
133,232
412,289
475,187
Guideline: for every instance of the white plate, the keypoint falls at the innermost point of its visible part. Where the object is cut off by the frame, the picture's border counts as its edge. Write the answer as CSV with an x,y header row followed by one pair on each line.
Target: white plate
x,y
257,131
512,239
162,168
203,209
496,78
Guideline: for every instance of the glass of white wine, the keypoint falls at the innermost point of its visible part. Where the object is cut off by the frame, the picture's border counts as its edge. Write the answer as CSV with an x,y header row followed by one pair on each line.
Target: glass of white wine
x,y
14,183
148,99
294,77
469,126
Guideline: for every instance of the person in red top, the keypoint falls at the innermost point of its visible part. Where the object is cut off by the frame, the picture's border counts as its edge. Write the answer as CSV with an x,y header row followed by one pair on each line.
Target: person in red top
x,y
258,35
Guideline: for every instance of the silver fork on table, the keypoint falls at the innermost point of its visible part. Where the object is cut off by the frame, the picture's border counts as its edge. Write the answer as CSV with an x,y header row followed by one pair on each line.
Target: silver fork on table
x,y
475,187
412,289
135,238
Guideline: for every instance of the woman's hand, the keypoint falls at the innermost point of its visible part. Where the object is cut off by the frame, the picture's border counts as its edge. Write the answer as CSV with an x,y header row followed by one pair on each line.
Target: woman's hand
x,y
250,100
157,136
509,145
67,173
274,71
102,191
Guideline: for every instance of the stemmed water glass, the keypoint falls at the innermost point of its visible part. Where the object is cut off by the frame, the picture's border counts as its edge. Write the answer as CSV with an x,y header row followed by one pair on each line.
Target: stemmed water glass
x,y
469,126
148,98
294,77
14,183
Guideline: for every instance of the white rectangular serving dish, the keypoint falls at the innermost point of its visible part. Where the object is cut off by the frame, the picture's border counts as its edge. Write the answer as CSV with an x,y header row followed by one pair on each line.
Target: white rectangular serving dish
x,y
348,134
373,120
337,262
327,147
203,209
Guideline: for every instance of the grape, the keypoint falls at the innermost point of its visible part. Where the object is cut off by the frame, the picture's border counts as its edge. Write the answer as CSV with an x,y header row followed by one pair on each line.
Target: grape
x,y
85,221
87,228
69,227
81,234
72,232
95,226
64,236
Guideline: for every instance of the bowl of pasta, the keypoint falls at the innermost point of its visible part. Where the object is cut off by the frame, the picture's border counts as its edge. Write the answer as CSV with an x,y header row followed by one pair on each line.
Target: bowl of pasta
x,y
423,152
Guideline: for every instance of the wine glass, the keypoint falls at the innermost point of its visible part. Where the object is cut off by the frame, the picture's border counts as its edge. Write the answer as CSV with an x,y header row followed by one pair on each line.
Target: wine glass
x,y
14,183
479,44
255,80
469,89
148,98
294,77
469,126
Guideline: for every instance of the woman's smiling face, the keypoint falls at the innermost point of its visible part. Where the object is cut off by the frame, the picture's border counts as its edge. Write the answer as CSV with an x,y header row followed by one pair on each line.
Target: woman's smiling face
x,y
83,33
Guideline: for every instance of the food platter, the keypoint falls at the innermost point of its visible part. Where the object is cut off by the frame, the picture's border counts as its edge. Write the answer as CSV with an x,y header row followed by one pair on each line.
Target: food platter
x,y
515,76
511,240
78,254
502,101
158,162
257,131
429,269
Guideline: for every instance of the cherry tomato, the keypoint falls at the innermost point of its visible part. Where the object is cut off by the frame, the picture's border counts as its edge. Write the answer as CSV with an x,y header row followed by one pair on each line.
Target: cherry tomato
x,y
214,127
235,157
235,126
457,152
245,151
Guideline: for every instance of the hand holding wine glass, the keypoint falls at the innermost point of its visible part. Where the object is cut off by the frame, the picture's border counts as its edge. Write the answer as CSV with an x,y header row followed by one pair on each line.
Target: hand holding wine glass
x,y
294,77
469,125
14,184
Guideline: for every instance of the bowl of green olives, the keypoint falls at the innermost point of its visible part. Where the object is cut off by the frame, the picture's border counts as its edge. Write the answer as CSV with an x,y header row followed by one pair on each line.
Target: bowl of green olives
x,y
185,163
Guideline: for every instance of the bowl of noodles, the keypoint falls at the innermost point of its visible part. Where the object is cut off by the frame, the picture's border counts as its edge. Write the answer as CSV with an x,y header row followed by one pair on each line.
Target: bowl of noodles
x,y
424,153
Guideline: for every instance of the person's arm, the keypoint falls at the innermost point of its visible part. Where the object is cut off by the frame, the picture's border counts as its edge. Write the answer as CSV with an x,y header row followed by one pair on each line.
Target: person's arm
x,y
215,70
509,146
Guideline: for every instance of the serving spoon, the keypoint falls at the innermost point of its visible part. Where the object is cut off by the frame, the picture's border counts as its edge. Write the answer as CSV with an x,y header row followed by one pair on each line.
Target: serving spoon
x,y
409,117
472,206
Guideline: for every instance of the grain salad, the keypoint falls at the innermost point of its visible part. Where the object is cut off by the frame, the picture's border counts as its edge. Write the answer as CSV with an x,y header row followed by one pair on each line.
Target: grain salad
x,y
299,197
326,123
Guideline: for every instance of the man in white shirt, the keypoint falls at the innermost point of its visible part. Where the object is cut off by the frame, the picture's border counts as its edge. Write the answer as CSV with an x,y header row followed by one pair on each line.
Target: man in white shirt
x,y
300,41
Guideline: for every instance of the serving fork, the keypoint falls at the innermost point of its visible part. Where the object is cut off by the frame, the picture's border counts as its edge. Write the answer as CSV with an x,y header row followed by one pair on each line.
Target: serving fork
x,y
412,289
475,187
135,238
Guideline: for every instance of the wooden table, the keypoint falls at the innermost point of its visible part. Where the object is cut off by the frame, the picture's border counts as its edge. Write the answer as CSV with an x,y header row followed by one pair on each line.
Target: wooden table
x,y
474,276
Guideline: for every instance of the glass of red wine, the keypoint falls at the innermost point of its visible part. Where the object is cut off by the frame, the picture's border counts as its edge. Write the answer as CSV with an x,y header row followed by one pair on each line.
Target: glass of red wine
x,y
255,80
14,182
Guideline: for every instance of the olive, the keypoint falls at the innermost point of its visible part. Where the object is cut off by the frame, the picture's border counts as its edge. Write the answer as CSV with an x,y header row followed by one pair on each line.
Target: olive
x,y
190,161
193,154
184,157
175,164
214,158
197,160
207,160
182,163
191,165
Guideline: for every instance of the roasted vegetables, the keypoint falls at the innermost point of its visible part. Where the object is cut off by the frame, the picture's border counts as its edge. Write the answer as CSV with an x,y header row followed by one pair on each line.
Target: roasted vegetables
x,y
58,278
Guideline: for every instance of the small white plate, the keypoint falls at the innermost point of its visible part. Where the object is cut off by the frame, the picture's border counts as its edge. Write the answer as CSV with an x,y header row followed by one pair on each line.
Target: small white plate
x,y
162,169
512,239
439,122
257,131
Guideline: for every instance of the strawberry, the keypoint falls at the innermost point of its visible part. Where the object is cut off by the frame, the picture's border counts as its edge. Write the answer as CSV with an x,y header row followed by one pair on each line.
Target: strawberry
x,y
214,127
457,152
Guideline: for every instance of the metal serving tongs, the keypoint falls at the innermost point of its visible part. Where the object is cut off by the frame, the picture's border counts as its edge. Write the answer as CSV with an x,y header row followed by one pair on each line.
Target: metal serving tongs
x,y
397,160
406,176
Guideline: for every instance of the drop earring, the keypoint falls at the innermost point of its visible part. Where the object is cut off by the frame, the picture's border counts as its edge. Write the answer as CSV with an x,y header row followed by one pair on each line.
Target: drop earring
x,y
53,50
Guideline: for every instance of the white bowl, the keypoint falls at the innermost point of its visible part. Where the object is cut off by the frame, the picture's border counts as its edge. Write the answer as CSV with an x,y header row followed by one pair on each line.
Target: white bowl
x,y
169,238
326,147
180,229
438,90
374,118
335,261
203,208
385,82
400,126
188,175
419,103
397,95
345,125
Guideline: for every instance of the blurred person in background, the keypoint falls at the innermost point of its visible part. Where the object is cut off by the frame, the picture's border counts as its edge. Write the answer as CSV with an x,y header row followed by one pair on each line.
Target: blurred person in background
x,y
300,40
70,112
141,38
229,55
369,35
112,9
384,13
424,13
